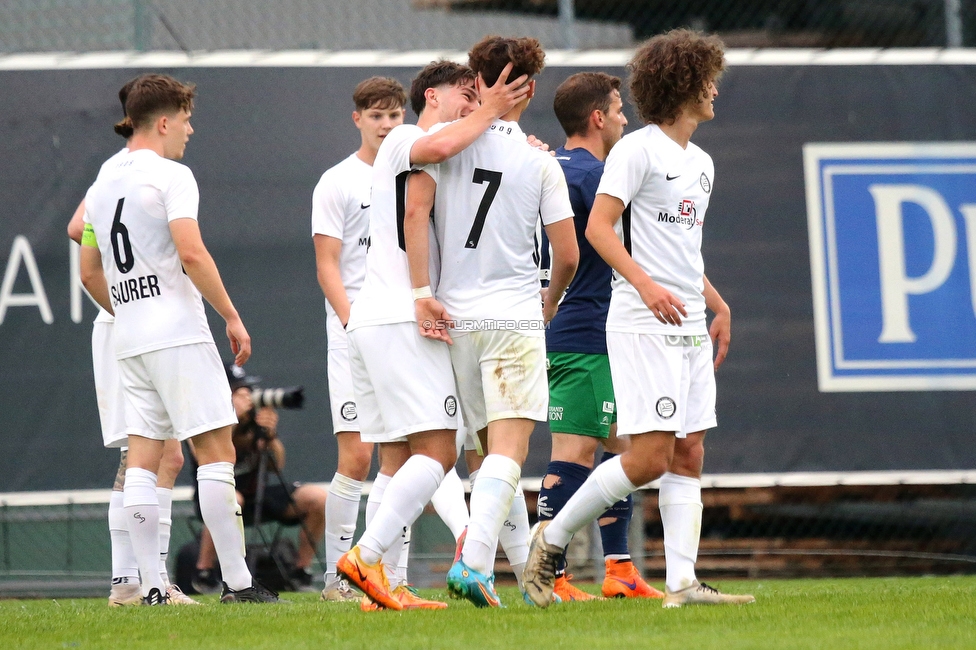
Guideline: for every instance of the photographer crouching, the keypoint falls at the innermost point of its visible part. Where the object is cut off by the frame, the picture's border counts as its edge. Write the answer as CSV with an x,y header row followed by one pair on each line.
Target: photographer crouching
x,y
256,441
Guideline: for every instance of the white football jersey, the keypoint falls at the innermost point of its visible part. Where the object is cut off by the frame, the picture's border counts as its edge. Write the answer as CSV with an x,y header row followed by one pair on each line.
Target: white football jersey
x,y
104,316
386,295
489,199
130,206
340,209
667,189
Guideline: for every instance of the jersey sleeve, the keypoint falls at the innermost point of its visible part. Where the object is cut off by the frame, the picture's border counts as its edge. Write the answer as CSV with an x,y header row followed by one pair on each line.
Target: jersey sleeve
x,y
434,171
400,141
328,208
625,171
554,204
182,197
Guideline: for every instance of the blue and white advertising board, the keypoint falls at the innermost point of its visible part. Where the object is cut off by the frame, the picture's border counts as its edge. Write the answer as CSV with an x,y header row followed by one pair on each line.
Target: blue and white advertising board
x,y
893,261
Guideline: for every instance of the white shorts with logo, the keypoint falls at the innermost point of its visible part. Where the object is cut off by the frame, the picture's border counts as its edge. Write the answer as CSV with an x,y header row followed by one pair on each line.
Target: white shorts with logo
x,y
341,395
108,389
403,382
662,382
501,375
176,392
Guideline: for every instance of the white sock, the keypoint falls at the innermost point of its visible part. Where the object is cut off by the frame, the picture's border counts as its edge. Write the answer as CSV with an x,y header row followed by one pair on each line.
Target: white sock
x,y
222,515
680,503
606,485
375,497
514,534
409,491
449,503
341,513
165,496
491,499
125,569
403,562
142,517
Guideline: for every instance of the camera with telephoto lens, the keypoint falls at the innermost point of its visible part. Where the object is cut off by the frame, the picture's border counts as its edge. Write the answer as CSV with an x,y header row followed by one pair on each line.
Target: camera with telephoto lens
x,y
291,397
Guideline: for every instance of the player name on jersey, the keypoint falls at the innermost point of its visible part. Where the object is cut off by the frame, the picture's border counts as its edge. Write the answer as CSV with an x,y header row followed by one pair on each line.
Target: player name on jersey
x,y
145,286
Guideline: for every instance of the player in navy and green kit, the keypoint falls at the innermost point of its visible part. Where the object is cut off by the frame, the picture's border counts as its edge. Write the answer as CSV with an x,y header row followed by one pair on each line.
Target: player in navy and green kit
x,y
581,401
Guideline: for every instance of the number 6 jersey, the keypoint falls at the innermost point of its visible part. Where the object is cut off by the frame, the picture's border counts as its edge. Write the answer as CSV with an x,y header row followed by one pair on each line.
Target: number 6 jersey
x,y
129,207
488,201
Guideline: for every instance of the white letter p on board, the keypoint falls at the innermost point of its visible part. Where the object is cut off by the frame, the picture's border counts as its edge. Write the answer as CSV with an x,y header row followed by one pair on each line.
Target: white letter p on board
x,y
896,286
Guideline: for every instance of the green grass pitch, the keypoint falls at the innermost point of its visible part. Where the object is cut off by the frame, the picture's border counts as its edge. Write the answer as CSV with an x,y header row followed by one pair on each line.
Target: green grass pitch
x,y
884,613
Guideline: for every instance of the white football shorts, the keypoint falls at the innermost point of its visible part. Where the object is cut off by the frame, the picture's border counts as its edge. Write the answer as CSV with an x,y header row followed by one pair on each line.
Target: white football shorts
x,y
341,395
501,375
402,381
108,389
662,382
176,392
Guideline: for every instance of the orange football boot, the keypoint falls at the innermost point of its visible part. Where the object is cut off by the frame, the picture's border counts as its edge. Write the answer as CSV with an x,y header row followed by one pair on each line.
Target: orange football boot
x,y
623,581
370,578
569,592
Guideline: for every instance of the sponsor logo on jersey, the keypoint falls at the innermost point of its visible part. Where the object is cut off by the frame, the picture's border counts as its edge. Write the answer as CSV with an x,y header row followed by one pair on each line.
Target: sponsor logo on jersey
x,y
689,220
364,241
669,177
450,406
665,407
555,413
348,411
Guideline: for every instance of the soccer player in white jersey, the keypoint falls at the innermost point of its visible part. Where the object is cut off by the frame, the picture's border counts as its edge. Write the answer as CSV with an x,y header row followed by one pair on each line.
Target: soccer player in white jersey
x,y
149,267
488,201
403,382
340,231
126,589
658,340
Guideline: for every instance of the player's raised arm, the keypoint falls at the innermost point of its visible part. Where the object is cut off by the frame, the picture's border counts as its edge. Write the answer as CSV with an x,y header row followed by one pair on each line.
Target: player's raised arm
x,y
607,210
496,100
202,271
721,328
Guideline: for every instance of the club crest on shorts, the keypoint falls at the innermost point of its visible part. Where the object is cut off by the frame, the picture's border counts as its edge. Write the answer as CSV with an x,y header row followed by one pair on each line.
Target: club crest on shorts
x,y
348,411
665,407
450,406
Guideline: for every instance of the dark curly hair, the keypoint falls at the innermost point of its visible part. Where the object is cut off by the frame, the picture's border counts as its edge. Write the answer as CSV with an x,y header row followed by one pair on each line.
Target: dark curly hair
x,y
671,70
492,53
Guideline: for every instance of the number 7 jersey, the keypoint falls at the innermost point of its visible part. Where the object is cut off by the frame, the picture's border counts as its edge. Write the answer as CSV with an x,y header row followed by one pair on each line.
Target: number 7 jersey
x,y
129,207
489,199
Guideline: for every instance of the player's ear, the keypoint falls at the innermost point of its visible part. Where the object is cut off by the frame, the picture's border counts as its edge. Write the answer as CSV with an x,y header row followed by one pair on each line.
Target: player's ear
x,y
356,117
531,89
162,124
597,119
431,96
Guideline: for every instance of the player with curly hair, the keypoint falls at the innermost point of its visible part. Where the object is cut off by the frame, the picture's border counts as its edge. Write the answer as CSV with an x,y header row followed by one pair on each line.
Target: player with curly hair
x,y
658,341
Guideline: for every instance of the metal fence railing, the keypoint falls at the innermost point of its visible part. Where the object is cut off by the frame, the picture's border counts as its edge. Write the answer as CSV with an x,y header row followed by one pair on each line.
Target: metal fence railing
x,y
756,526
102,25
